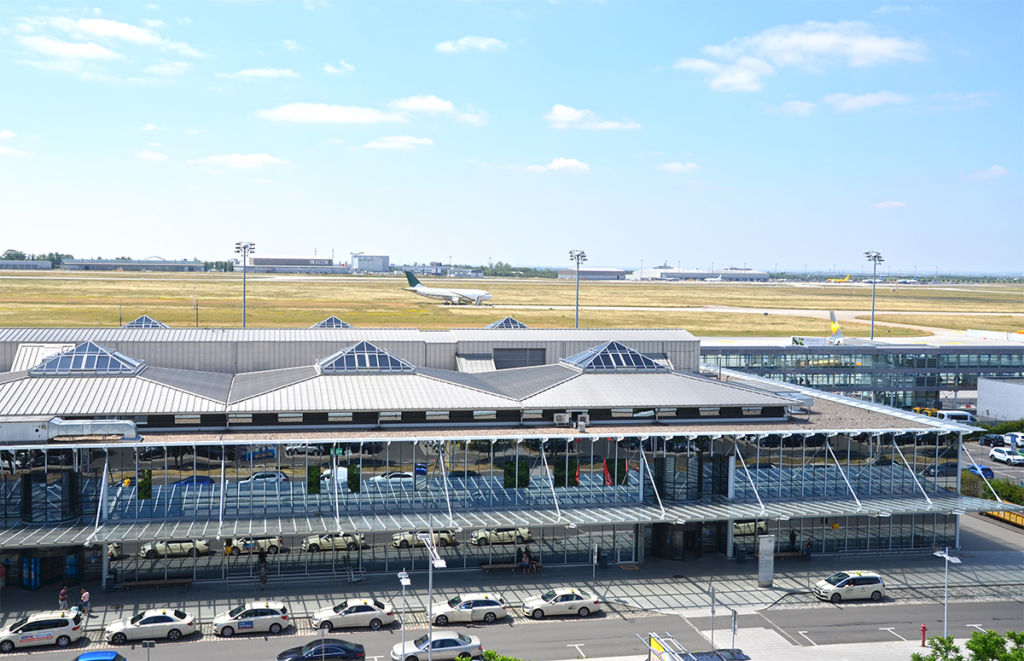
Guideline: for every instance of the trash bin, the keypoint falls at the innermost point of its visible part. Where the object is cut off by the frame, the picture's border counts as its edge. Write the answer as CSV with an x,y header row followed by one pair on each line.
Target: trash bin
x,y
741,553
602,559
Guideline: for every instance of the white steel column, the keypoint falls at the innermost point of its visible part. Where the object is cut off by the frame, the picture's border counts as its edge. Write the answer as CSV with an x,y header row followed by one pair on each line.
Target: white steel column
x,y
747,473
828,446
551,476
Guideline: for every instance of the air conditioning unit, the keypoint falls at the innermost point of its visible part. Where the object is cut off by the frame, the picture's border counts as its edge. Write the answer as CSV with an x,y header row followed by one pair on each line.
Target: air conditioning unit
x,y
561,419
583,419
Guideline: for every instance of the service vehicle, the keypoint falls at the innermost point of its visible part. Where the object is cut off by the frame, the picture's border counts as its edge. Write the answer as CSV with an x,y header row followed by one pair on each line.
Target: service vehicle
x,y
169,623
850,584
60,628
403,540
174,548
500,536
252,616
324,648
1006,456
240,545
562,601
333,540
470,607
357,612
442,645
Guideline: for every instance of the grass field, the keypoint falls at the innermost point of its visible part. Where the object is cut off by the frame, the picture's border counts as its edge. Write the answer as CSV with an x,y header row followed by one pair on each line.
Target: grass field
x,y
108,299
1004,323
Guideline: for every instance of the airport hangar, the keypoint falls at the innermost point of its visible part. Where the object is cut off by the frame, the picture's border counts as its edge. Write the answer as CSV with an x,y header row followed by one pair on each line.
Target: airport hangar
x,y
617,441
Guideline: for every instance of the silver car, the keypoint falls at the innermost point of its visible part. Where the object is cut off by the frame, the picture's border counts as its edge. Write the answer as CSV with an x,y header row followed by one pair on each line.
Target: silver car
x,y
368,612
443,645
471,607
167,623
252,616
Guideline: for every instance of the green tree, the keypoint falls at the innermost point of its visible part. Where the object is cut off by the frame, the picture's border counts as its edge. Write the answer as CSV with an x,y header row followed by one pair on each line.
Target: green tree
x,y
10,253
353,478
983,646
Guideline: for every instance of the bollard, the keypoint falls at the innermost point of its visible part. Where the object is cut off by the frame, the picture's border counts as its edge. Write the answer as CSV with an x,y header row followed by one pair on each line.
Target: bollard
x,y
924,631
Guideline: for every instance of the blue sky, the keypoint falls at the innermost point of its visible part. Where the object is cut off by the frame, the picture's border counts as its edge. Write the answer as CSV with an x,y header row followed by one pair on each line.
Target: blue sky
x,y
766,134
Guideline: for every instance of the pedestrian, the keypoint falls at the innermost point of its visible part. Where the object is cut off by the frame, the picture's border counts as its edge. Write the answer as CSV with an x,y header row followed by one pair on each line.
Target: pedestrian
x,y
86,606
807,549
792,540
62,598
263,577
262,559
521,562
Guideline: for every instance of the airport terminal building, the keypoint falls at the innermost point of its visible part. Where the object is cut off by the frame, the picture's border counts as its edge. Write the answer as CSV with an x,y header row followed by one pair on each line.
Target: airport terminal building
x,y
334,445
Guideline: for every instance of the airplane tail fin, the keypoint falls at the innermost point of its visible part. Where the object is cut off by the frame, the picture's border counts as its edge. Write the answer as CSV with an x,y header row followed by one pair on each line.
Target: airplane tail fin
x,y
837,333
413,282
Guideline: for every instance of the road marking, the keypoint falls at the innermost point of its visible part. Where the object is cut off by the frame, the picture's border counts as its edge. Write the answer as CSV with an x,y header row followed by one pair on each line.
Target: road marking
x,y
579,652
977,626
804,634
890,630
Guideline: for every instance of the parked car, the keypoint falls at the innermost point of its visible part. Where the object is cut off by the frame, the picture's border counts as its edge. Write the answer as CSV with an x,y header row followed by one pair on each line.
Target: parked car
x,y
306,449
254,452
562,601
850,584
333,540
403,540
264,479
100,655
500,536
941,470
240,545
442,645
59,628
981,471
462,474
393,479
174,548
992,440
324,648
252,616
471,607
366,612
1006,456
196,480
167,623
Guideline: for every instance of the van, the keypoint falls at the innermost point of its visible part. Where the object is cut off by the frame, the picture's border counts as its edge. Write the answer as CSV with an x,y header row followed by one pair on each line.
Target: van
x,y
956,416
850,584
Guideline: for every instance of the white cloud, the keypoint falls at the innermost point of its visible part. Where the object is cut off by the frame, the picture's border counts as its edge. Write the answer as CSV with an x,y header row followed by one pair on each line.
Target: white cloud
x,y
796,108
398,142
151,156
149,127
108,29
68,50
560,165
166,68
154,144
739,64
343,67
240,161
153,23
844,102
485,44
6,134
290,44
11,151
322,113
676,166
889,204
260,73
433,105
564,117
991,173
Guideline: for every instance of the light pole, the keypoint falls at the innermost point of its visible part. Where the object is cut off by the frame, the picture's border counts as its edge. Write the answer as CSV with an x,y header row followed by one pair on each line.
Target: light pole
x,y
403,578
435,561
945,608
875,258
577,256
243,248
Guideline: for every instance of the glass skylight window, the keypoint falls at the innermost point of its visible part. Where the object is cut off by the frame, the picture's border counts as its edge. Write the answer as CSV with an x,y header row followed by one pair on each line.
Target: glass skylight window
x,y
332,322
87,359
612,357
508,322
145,321
363,357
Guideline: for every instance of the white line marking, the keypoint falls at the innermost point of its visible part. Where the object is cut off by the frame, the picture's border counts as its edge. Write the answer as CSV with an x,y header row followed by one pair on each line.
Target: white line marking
x,y
804,634
578,650
977,626
890,630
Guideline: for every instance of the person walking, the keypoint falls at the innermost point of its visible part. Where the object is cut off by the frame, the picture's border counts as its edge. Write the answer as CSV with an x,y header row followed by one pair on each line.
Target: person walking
x,y
62,598
85,601
792,540
263,577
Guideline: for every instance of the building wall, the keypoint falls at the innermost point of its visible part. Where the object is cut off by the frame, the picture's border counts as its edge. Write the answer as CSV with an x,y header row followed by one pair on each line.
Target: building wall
x,y
592,274
1000,399
289,261
25,265
129,265
371,263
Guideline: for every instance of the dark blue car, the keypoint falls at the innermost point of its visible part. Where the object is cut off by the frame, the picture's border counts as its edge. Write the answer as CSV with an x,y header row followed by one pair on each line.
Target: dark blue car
x,y
100,655
195,479
981,471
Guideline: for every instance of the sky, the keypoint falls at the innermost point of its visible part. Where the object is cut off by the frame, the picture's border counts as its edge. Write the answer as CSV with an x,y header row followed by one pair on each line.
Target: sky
x,y
773,135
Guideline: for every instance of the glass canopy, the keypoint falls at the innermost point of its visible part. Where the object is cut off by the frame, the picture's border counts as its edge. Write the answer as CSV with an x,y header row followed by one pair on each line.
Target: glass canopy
x,y
507,322
612,357
87,359
145,321
363,357
332,322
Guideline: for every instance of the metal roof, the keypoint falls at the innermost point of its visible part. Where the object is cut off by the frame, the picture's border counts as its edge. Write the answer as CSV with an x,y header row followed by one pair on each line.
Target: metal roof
x,y
211,385
471,363
342,336
99,396
31,354
252,384
522,382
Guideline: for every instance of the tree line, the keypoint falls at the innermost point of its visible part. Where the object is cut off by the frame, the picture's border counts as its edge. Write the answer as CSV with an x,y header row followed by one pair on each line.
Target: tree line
x,y
57,258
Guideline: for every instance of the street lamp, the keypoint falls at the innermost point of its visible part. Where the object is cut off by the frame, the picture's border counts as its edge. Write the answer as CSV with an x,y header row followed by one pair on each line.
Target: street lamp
x,y
243,248
945,608
435,561
875,258
403,578
577,256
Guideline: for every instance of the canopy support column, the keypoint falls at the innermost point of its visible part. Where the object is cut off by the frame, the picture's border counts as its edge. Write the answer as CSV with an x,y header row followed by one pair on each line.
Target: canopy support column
x,y
910,469
551,476
650,475
828,446
747,473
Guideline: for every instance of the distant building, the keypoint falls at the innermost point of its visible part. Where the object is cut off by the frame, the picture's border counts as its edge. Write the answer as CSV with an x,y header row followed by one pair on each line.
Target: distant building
x,y
263,264
370,263
725,275
1000,400
130,265
592,273
25,265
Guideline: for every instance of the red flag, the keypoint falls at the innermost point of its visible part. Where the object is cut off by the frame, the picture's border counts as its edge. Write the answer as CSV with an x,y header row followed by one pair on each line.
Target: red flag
x,y
577,475
607,475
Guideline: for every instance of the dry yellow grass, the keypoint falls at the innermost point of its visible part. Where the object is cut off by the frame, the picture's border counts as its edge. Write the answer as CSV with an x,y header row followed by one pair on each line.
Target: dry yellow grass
x,y
1001,322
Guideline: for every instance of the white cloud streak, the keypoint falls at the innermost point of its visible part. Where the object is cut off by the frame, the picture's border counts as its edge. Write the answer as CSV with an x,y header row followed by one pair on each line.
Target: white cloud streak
x,y
322,113
115,30
795,108
844,102
68,50
6,134
167,68
991,173
398,142
151,156
561,165
240,161
290,44
468,43
343,67
566,117
676,166
432,105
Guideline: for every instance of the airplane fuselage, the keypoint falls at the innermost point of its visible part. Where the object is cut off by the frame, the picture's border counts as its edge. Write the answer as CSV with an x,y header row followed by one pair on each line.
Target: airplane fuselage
x,y
452,296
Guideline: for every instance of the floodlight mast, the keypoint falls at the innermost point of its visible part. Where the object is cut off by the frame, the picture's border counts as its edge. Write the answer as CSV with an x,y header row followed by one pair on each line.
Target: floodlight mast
x,y
403,579
577,256
944,554
875,258
244,248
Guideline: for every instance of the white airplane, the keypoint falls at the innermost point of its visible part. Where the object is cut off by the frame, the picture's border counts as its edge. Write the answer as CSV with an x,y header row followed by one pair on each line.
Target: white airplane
x,y
836,338
450,296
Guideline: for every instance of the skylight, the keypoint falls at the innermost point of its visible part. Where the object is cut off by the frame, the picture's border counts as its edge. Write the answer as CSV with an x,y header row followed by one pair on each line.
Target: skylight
x,y
363,357
145,321
612,357
507,322
332,322
88,359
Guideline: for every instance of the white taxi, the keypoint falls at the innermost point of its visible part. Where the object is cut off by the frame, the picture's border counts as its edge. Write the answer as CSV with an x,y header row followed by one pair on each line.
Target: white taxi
x,y
562,601
252,616
60,628
368,612
471,607
169,623
850,584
